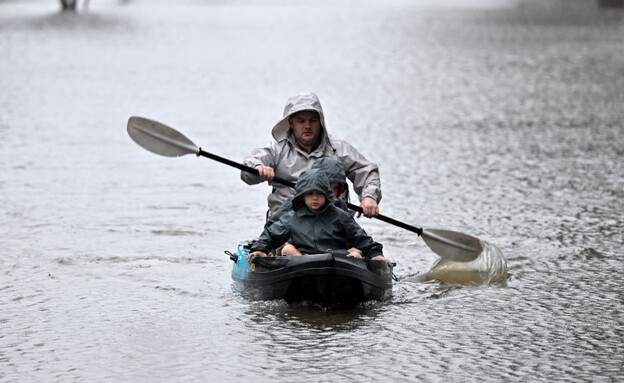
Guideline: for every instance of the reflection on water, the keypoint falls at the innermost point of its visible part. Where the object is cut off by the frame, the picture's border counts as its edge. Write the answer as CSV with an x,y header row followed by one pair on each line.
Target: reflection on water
x,y
499,119
310,316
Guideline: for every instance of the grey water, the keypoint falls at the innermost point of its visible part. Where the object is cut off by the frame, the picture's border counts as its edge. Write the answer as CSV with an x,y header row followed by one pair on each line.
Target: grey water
x,y
501,119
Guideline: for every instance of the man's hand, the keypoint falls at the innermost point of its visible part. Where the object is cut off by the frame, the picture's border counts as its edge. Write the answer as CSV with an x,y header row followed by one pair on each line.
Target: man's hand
x,y
369,207
266,173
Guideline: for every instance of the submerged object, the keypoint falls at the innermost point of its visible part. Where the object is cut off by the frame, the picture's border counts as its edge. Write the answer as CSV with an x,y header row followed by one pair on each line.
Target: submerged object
x,y
489,267
328,280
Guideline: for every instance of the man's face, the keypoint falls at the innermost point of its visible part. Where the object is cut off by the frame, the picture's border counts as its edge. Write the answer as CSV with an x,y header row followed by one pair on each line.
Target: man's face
x,y
307,128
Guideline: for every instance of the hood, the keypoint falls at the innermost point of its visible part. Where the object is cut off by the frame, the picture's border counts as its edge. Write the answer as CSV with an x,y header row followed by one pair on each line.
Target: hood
x,y
298,103
332,169
311,179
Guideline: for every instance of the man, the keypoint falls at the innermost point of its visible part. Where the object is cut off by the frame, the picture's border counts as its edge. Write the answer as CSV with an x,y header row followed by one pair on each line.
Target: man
x,y
301,138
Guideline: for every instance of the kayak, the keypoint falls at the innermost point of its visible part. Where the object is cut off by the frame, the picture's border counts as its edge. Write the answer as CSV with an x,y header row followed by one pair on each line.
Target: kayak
x,y
327,280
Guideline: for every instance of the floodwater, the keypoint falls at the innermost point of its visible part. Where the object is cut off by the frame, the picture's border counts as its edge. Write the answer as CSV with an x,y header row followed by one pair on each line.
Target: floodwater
x,y
500,119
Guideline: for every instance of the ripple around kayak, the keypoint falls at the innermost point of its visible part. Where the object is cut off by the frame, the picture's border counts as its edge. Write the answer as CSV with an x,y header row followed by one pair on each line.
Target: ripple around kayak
x,y
489,267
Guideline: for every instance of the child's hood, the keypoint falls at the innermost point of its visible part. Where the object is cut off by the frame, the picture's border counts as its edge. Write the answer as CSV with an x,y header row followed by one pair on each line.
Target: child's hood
x,y
311,179
332,169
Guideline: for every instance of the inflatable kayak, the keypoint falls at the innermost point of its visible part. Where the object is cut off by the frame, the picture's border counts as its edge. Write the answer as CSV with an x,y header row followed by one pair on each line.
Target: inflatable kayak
x,y
327,280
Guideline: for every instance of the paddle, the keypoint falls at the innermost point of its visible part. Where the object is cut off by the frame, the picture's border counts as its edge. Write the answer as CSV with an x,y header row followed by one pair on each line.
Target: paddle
x,y
166,141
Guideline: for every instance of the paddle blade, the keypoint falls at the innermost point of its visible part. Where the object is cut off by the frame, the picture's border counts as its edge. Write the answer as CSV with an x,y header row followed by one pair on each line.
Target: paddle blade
x,y
452,244
159,138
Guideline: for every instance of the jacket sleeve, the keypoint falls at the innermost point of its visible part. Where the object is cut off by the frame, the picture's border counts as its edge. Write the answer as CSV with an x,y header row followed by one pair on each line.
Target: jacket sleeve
x,y
260,156
273,236
360,240
285,208
363,174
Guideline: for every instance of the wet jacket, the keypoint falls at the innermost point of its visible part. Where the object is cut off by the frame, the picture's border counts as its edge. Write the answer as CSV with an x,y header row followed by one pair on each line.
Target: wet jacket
x,y
332,169
334,173
331,228
289,160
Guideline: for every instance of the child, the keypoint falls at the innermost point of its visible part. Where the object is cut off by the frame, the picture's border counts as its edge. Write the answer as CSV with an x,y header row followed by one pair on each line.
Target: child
x,y
337,183
337,179
314,225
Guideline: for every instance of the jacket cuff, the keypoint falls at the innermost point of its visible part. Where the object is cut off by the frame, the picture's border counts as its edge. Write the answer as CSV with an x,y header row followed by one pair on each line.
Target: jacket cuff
x,y
369,196
258,248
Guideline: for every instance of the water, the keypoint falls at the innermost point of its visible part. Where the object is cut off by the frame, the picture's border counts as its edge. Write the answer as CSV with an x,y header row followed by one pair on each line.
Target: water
x,y
500,119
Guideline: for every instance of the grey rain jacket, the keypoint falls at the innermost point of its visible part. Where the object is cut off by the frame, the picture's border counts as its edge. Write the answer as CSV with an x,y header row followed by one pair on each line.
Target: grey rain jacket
x,y
331,228
334,173
289,160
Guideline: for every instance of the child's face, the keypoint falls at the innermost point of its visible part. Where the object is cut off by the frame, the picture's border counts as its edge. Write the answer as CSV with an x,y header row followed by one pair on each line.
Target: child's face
x,y
314,200
335,188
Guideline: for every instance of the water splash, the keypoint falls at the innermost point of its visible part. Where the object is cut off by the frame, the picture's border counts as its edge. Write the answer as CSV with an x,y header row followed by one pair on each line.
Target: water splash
x,y
489,267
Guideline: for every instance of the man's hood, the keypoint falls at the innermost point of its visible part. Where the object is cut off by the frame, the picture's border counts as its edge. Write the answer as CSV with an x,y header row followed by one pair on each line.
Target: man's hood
x,y
298,103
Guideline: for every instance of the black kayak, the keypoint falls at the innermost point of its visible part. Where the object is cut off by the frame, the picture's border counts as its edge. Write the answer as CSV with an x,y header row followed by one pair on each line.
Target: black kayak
x,y
328,280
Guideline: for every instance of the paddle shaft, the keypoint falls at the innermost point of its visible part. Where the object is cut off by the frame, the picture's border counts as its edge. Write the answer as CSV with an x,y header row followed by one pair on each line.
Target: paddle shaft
x,y
351,206
241,167
166,141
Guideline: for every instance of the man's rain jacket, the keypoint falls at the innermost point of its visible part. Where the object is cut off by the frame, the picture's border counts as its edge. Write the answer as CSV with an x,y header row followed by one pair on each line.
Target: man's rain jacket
x,y
288,159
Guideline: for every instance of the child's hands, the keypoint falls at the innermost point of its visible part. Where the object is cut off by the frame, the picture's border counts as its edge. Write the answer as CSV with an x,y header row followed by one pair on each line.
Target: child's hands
x,y
381,258
353,252
255,254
